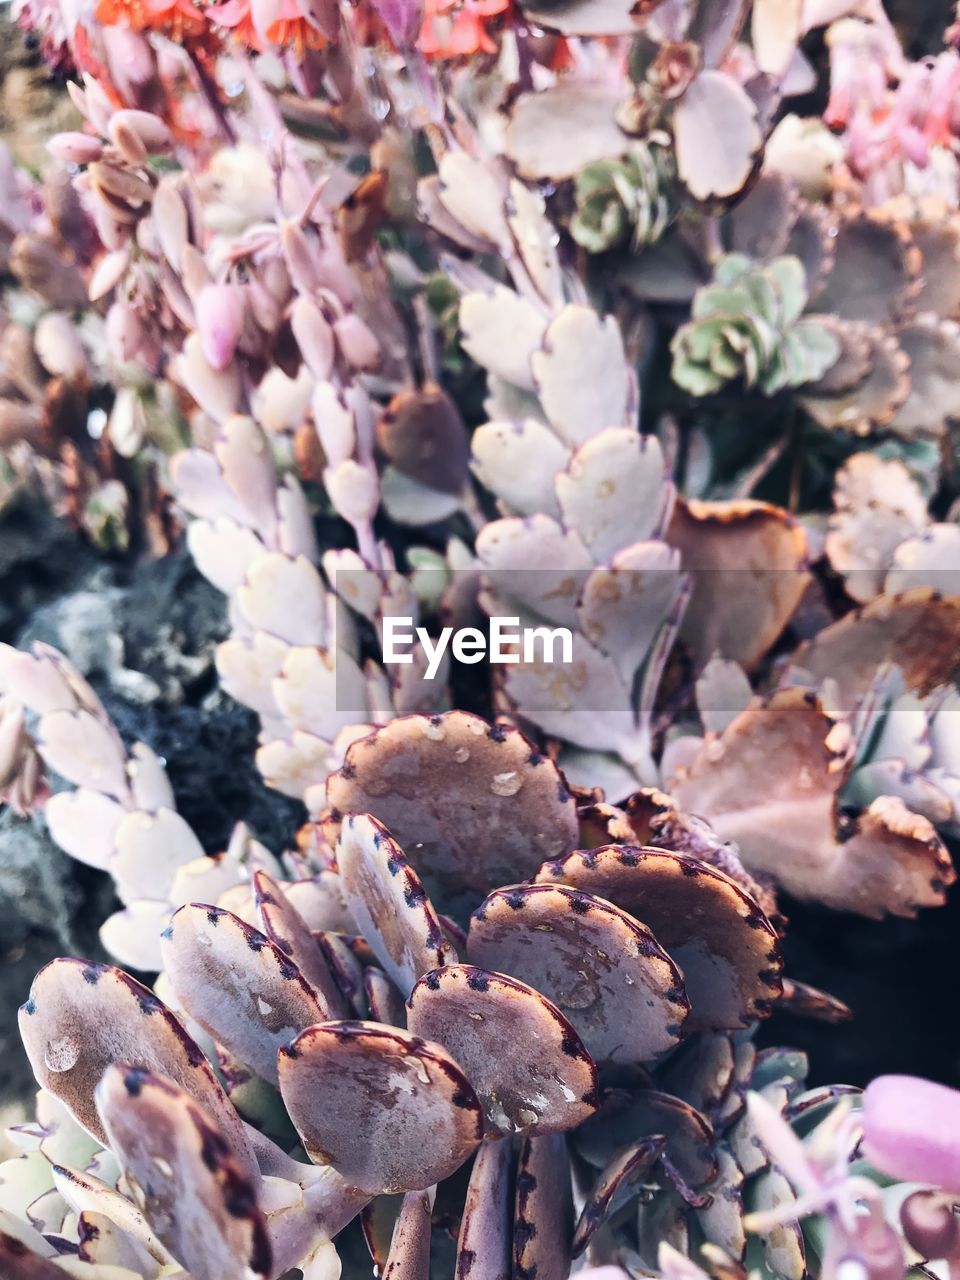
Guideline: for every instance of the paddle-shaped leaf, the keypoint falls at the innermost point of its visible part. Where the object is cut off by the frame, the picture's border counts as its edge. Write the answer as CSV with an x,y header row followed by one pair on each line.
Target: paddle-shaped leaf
x,y
546,1083
543,1225
621,991
484,1247
389,1111
183,1175
241,988
724,945
81,1017
472,804
287,929
389,903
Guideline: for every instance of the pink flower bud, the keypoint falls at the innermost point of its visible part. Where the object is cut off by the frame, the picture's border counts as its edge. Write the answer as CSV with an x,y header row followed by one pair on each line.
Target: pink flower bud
x,y
357,343
75,148
910,1129
170,220
124,332
219,311
299,257
149,130
314,337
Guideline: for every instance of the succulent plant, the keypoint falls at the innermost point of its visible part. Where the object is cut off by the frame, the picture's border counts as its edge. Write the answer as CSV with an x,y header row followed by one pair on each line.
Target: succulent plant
x,y
747,324
621,200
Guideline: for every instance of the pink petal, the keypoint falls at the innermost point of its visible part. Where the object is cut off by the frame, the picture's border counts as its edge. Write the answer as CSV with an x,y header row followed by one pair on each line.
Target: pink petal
x,y
910,1129
219,310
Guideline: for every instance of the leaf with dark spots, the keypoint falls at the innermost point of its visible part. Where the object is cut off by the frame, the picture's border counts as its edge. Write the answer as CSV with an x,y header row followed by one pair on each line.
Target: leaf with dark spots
x,y
252,1000
386,1003
462,798
543,1222
183,1176
79,1029
389,903
378,1104
629,1115
616,1184
286,928
537,1084
409,1257
485,1244
711,928
603,970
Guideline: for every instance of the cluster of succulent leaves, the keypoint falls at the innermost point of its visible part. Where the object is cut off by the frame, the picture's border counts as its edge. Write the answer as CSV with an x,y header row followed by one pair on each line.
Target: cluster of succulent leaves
x,y
748,325
621,201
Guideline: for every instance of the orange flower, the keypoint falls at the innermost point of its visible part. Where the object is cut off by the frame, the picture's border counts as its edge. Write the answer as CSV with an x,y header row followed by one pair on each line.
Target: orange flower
x,y
456,29
236,16
291,30
123,13
179,19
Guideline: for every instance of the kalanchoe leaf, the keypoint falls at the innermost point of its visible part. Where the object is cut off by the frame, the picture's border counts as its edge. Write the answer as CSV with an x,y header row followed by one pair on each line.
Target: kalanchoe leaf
x,y
721,1221
918,630
238,985
876,271
87,1195
384,1000
102,1244
724,945
286,929
622,200
485,1242
627,1115
616,1184
409,1256
473,804
783,1245
388,901
543,1224
746,325
614,491
548,1081
875,398
423,435
554,133
581,375
183,1175
81,1017
933,348
339,1082
377,1220
761,223
716,136
785,821
701,1071
620,990
735,613
501,331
